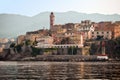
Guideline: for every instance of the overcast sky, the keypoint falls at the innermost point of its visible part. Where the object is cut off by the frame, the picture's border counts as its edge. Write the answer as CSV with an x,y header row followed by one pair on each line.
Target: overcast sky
x,y
33,7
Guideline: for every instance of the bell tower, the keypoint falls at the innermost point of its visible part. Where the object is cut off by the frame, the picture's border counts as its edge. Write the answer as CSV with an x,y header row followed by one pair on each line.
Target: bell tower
x,y
52,19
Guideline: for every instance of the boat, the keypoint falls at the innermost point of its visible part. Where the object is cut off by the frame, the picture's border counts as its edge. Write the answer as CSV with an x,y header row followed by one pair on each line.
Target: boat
x,y
103,55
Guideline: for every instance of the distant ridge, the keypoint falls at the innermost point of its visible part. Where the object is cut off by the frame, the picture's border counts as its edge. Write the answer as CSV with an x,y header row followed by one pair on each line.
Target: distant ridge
x,y
12,25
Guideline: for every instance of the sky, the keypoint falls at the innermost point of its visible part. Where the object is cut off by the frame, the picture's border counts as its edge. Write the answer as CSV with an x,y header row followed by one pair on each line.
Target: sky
x,y
33,7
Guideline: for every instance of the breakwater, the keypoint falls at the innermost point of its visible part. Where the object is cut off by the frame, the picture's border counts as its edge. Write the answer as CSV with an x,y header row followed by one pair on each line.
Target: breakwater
x,y
62,58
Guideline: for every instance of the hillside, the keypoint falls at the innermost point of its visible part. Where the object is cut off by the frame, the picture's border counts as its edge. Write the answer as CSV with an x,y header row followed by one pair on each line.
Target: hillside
x,y
12,25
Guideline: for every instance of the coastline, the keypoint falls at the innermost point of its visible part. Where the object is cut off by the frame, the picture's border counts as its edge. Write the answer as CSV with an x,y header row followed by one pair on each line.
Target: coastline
x,y
64,58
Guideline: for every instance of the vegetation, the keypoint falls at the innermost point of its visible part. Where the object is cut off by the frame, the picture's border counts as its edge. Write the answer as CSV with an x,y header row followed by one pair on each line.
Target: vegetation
x,y
40,51
12,45
18,48
116,48
49,49
36,51
112,48
28,42
35,43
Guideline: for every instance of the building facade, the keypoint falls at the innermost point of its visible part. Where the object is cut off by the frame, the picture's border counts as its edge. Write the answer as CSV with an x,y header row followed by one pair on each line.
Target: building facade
x,y
20,39
109,26
116,31
86,30
103,34
45,41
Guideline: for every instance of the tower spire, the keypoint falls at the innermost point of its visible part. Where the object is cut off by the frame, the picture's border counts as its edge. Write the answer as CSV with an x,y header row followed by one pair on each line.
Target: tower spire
x,y
52,19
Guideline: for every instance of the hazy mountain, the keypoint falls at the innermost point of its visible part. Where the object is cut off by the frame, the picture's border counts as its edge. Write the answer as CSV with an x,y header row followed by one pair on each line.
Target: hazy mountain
x,y
12,25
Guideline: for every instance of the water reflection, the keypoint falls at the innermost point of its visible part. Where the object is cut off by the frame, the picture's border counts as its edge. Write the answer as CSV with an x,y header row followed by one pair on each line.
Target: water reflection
x,y
59,70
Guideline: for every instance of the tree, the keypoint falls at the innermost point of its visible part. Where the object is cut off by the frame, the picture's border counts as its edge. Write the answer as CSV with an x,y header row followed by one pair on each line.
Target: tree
x,y
35,51
35,43
117,47
28,42
18,48
12,45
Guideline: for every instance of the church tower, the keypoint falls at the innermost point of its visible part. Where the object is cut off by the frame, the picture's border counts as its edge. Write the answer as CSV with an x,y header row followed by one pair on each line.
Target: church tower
x,y
52,19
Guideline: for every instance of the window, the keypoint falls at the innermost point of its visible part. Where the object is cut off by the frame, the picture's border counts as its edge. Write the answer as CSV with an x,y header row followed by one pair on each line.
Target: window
x,y
97,32
92,32
102,32
107,32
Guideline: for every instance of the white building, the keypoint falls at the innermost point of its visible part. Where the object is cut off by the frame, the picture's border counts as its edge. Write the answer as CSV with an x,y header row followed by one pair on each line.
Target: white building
x,y
86,30
58,46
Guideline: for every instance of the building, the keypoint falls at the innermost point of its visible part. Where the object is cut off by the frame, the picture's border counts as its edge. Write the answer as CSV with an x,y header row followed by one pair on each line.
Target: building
x,y
12,40
47,42
102,34
86,22
57,28
116,30
69,34
4,40
52,19
1,49
69,26
20,39
109,26
86,30
36,34
44,41
31,37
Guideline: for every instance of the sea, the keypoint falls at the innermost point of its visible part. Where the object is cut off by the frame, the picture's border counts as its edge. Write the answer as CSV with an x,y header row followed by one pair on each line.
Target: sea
x,y
37,70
